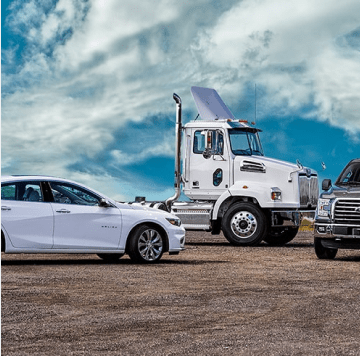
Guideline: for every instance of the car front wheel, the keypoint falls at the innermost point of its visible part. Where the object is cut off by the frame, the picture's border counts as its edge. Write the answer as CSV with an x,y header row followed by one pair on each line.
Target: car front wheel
x,y
146,245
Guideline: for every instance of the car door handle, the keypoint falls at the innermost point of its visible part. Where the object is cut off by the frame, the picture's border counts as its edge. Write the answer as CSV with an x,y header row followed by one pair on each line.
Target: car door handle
x,y
63,211
5,208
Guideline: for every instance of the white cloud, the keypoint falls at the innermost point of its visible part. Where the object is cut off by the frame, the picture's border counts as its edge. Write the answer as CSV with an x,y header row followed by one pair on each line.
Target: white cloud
x,y
290,48
91,67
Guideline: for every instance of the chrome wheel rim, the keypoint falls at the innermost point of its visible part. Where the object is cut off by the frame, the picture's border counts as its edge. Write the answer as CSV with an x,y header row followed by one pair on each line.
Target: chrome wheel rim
x,y
243,224
150,245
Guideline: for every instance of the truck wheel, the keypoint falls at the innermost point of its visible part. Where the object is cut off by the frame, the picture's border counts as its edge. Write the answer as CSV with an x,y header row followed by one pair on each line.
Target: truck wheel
x,y
324,253
110,257
146,245
244,224
279,236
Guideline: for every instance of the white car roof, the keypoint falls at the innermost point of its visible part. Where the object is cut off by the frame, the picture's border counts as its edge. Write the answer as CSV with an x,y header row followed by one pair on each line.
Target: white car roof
x,y
17,178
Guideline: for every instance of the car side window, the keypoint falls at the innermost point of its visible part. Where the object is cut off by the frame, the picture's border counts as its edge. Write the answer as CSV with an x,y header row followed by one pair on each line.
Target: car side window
x,y
65,193
8,192
23,191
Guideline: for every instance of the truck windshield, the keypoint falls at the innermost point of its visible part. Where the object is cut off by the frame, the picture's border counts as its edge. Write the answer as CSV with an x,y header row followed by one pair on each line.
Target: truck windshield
x,y
350,175
245,143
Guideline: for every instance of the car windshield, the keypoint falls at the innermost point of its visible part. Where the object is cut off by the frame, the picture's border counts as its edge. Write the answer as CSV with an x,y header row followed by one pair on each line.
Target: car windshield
x,y
350,175
244,143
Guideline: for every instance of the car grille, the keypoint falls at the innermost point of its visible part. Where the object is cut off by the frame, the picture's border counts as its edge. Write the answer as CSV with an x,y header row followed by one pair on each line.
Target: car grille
x,y
309,191
347,211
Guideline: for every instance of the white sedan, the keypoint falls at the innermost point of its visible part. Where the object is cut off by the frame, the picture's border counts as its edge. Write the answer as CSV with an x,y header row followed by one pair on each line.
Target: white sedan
x,y
52,215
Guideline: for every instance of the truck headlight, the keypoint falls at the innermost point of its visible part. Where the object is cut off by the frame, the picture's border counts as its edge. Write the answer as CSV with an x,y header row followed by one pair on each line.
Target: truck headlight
x,y
275,194
174,221
323,208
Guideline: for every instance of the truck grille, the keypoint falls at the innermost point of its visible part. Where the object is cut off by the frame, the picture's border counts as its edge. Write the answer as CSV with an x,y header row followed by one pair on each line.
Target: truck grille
x,y
347,211
309,191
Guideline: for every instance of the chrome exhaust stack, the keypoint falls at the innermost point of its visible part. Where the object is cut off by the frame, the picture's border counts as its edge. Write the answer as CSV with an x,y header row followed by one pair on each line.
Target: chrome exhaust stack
x,y
178,128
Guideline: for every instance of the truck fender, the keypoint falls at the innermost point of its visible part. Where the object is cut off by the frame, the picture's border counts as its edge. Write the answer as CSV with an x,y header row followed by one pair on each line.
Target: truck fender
x,y
224,196
258,194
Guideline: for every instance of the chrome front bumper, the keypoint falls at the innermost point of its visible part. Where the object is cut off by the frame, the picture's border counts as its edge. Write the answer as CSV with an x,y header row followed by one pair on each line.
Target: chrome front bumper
x,y
330,231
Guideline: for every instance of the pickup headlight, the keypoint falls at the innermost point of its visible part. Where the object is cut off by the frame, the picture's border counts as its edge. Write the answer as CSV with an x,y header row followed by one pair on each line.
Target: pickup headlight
x,y
174,221
323,208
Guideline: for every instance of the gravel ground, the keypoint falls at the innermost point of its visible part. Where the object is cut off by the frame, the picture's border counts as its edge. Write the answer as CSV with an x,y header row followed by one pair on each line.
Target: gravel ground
x,y
212,299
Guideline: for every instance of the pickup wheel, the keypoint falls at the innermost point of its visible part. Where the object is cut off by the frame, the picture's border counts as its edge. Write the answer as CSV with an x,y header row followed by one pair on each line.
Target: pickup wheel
x,y
146,245
279,236
244,224
110,257
324,253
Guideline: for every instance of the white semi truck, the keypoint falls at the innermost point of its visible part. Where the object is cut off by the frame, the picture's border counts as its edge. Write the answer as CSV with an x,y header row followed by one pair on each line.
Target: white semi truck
x,y
231,186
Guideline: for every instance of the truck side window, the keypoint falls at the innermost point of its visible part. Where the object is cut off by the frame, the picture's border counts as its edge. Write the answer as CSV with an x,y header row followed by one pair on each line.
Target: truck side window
x,y
217,139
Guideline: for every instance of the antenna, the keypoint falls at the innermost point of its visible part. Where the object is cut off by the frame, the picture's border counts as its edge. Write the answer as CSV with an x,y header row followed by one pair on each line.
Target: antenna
x,y
255,106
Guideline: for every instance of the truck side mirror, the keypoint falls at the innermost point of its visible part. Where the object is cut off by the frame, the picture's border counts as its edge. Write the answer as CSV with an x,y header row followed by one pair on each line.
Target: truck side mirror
x,y
326,184
207,153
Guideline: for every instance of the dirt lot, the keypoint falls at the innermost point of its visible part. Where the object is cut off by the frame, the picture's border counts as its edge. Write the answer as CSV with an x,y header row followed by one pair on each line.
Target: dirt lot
x,y
212,299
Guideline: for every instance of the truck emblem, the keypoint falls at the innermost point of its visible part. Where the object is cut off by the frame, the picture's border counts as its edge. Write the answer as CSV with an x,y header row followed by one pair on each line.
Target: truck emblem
x,y
357,210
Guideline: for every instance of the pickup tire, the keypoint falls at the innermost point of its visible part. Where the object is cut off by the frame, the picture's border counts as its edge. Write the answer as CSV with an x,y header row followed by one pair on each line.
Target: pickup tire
x,y
324,253
244,224
281,235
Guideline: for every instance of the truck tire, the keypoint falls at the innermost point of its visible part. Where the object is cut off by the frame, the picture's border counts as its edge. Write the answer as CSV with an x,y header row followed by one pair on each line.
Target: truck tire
x,y
324,253
280,236
244,224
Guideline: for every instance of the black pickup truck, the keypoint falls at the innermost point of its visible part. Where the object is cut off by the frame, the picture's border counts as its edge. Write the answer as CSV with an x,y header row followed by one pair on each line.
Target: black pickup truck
x,y
337,217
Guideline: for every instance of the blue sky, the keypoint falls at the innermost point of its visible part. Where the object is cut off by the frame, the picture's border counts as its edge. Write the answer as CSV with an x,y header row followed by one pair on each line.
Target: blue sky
x,y
87,84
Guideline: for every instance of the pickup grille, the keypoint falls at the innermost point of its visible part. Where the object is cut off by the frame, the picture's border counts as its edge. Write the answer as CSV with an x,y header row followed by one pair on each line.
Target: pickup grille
x,y
347,211
309,191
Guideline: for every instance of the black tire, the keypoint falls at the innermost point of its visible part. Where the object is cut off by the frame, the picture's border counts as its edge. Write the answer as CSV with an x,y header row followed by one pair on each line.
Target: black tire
x,y
2,242
279,236
146,244
244,224
324,253
110,257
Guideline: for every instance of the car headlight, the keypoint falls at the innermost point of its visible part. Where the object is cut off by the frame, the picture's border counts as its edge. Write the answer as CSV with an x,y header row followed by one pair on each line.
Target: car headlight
x,y
174,221
323,208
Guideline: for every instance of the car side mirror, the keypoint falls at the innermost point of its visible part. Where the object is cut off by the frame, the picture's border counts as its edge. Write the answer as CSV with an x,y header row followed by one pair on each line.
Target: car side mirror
x,y
103,203
326,184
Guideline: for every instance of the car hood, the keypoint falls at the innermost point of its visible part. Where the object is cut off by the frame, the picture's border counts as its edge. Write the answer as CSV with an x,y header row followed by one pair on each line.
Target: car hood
x,y
138,207
342,192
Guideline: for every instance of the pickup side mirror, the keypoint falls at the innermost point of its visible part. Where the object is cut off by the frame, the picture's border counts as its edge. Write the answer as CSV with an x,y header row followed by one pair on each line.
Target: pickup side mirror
x,y
103,203
326,184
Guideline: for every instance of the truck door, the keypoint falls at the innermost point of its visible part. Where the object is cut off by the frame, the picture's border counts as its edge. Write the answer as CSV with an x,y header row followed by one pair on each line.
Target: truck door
x,y
208,169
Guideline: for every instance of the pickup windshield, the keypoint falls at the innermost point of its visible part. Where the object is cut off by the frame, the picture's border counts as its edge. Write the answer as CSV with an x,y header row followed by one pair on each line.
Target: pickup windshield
x,y
350,175
245,143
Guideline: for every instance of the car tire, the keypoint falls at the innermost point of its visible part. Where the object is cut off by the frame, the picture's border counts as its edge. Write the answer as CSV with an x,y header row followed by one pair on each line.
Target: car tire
x,y
110,257
2,242
281,236
146,244
244,224
324,253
